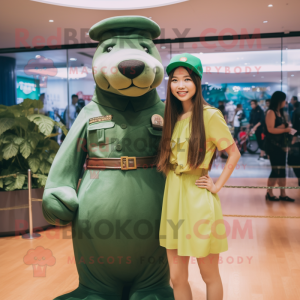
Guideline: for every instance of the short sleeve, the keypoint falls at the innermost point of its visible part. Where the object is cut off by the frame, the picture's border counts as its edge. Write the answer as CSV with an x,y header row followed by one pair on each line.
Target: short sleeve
x,y
218,132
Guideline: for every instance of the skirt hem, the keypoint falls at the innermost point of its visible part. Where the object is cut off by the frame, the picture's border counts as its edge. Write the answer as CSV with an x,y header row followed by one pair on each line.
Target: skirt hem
x,y
196,256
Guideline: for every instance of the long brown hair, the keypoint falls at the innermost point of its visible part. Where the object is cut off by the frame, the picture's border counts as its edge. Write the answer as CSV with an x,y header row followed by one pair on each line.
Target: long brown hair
x,y
197,140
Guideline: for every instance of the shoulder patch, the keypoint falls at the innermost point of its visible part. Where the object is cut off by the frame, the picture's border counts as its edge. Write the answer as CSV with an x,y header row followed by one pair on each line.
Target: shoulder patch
x,y
100,119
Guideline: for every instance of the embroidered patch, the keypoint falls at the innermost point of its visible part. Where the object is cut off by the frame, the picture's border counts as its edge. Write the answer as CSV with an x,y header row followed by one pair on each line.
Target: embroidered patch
x,y
100,119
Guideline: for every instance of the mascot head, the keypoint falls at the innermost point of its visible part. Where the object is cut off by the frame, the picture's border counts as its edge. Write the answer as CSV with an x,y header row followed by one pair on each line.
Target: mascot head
x,y
126,61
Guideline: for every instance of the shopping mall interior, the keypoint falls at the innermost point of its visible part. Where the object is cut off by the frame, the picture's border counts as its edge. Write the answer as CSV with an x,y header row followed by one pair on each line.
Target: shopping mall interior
x,y
249,51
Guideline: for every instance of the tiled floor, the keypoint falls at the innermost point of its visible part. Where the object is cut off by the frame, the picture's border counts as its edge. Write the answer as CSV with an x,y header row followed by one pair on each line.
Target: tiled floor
x,y
262,262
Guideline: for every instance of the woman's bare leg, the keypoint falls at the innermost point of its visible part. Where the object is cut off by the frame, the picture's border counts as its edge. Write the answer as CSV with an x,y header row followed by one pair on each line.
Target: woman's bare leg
x,y
209,269
282,182
179,275
271,182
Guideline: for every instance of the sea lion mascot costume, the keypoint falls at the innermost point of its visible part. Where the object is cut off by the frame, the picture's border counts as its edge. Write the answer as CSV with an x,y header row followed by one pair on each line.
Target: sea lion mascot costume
x,y
116,211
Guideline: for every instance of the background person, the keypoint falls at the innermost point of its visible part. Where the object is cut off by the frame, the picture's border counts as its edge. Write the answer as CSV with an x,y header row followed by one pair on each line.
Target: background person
x,y
295,106
230,109
79,106
70,111
291,107
296,137
238,117
276,127
221,107
256,124
268,101
44,110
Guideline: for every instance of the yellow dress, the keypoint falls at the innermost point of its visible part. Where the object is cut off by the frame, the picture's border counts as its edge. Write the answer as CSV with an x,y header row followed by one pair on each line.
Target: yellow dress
x,y
191,219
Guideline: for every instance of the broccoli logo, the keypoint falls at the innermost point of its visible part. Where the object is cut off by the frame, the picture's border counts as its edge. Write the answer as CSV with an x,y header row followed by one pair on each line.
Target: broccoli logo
x,y
39,258
41,68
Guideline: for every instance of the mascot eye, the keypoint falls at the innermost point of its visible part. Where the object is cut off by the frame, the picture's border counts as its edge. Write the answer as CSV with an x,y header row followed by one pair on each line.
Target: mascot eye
x,y
109,49
146,49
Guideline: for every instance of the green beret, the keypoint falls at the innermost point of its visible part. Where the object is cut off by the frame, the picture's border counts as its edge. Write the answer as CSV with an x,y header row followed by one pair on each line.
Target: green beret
x,y
134,26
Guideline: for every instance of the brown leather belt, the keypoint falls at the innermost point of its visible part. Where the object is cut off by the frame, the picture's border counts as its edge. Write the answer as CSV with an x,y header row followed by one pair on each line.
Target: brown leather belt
x,y
122,163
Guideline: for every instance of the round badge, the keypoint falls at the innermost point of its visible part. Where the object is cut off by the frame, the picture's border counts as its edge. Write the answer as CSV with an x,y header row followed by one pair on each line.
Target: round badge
x,y
157,121
183,59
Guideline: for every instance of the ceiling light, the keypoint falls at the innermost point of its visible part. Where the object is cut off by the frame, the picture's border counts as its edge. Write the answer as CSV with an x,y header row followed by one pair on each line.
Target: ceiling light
x,y
163,47
166,78
206,82
292,75
72,58
111,5
51,21
37,56
283,62
265,21
270,5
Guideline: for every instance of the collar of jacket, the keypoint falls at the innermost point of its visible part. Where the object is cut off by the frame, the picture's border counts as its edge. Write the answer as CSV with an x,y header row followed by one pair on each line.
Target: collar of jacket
x,y
120,102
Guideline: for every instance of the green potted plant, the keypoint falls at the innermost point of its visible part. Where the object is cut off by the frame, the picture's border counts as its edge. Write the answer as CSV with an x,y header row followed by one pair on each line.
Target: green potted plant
x,y
25,143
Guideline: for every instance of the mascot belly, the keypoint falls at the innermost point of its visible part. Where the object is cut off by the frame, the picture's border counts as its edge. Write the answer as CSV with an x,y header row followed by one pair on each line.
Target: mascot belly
x,y
116,212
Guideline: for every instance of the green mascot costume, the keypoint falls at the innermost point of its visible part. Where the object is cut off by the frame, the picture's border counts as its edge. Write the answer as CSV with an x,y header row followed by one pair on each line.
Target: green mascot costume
x,y
116,211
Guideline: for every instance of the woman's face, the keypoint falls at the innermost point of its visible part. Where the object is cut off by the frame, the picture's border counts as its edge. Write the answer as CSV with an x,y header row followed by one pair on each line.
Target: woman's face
x,y
182,85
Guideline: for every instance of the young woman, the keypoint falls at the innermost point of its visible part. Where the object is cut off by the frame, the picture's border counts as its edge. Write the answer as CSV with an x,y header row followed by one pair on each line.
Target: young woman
x,y
276,127
191,221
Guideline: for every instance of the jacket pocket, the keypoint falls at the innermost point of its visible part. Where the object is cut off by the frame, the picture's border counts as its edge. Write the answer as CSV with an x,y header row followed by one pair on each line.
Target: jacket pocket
x,y
98,132
154,131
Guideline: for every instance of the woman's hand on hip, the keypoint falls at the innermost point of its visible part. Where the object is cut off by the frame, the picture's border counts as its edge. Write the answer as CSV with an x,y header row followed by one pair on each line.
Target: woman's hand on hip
x,y
207,183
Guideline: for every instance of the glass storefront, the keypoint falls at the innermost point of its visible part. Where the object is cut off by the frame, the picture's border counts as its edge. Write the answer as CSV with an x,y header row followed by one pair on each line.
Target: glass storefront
x,y
235,72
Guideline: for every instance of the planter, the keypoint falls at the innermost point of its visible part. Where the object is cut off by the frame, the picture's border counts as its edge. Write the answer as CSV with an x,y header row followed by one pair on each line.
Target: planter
x,y
16,221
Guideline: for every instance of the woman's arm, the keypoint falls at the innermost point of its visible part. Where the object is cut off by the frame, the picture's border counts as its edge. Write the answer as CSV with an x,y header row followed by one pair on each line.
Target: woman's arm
x,y
256,125
207,182
270,123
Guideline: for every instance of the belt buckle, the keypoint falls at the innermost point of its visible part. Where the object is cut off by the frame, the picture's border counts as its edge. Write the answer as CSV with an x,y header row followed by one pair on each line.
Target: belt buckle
x,y
125,161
